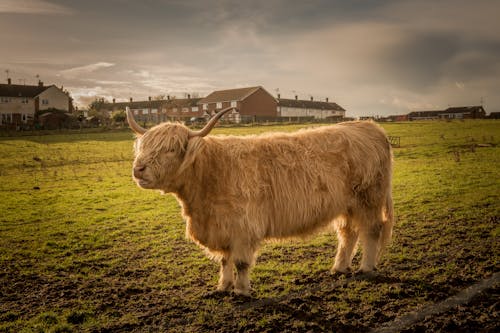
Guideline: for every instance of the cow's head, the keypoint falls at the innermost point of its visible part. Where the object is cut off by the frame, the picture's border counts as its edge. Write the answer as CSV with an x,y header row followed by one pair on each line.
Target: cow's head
x,y
162,151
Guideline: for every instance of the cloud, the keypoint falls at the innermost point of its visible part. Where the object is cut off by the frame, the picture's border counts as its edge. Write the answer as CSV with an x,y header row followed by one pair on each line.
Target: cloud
x,y
77,71
33,7
376,57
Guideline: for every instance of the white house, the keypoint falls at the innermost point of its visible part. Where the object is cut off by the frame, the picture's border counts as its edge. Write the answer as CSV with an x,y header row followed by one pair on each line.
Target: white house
x,y
20,103
296,108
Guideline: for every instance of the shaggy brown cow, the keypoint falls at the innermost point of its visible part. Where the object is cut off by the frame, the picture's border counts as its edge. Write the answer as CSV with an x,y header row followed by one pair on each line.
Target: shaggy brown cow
x,y
237,192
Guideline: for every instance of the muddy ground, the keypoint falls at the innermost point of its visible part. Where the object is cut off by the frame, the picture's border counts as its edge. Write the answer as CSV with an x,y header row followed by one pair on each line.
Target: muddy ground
x,y
121,300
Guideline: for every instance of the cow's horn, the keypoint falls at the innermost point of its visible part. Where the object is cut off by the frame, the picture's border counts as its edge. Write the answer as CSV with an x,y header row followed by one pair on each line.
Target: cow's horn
x,y
132,123
211,123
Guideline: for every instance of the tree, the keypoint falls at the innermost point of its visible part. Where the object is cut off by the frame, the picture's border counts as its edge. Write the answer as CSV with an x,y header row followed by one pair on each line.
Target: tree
x,y
118,117
96,109
97,104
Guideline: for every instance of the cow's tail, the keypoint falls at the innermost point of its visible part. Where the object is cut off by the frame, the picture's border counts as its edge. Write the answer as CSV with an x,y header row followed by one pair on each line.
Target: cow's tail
x,y
388,223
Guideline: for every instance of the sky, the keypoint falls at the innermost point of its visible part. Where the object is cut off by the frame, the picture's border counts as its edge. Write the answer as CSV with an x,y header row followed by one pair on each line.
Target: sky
x,y
374,58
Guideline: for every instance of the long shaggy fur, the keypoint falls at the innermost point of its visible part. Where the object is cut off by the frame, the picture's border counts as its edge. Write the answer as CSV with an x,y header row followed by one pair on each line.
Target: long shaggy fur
x,y
236,192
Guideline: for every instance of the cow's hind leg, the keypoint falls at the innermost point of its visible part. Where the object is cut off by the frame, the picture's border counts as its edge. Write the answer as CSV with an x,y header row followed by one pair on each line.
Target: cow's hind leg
x,y
226,277
347,239
370,229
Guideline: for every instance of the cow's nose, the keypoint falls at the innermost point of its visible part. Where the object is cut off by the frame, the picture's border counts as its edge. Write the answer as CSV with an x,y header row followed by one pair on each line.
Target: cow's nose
x,y
138,170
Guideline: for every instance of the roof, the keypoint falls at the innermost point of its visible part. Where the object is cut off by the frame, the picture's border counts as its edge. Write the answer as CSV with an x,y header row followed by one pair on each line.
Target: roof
x,y
238,94
305,104
183,102
175,102
19,90
463,109
134,105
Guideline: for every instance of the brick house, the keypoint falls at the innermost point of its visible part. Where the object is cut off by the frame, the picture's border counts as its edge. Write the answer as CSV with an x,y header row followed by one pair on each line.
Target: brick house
x,y
156,111
252,103
20,104
144,111
182,109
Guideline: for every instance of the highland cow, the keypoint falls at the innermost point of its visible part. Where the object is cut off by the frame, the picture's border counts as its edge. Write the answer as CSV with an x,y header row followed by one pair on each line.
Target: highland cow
x,y
236,192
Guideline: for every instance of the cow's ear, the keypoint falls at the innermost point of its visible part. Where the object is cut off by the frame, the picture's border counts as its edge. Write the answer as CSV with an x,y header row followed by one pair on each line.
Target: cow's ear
x,y
194,147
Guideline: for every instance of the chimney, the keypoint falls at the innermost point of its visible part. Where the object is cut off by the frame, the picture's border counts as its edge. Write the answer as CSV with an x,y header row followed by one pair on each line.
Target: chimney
x,y
130,99
40,83
9,81
279,96
168,97
327,99
149,98
189,96
296,97
311,98
114,100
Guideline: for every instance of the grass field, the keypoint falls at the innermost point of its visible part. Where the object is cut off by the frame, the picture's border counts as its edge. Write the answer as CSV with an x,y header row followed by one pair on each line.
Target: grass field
x,y
83,249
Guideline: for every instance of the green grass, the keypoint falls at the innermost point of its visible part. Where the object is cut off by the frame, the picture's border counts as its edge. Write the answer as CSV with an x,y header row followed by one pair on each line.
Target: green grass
x,y
83,249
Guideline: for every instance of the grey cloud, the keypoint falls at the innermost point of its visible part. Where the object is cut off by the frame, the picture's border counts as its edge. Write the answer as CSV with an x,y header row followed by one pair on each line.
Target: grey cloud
x,y
418,60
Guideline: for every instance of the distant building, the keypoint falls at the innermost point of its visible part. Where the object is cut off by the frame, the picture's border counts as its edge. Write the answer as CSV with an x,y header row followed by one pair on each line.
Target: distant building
x,y
460,112
252,103
157,111
296,108
182,109
144,111
20,104
494,115
392,118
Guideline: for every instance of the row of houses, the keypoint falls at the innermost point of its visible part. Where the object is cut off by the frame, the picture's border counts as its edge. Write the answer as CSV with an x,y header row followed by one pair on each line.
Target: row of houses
x,y
250,103
454,112
20,104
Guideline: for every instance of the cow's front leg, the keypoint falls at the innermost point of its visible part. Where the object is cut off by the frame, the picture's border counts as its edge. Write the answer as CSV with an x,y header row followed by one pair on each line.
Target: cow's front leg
x,y
242,285
226,277
243,256
347,239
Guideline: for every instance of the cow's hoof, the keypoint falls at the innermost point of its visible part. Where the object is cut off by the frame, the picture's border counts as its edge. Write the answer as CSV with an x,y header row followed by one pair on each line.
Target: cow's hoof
x,y
242,292
366,274
216,294
341,272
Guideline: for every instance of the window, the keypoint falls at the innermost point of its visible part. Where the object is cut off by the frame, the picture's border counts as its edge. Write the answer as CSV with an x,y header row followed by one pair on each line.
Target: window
x,y
174,109
24,100
218,105
185,109
234,104
194,109
45,101
5,99
205,106
6,118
